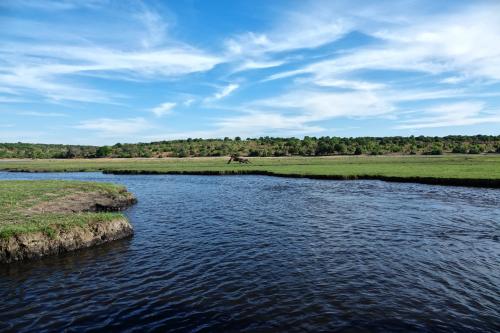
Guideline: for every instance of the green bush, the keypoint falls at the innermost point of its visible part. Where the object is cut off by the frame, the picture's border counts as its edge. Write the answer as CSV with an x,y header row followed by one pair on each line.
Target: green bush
x,y
459,149
475,150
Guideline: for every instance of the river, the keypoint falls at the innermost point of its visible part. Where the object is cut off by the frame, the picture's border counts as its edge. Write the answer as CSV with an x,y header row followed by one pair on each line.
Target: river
x,y
266,254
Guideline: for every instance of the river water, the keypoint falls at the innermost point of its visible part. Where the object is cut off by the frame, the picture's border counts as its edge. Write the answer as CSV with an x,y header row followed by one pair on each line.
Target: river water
x,y
265,254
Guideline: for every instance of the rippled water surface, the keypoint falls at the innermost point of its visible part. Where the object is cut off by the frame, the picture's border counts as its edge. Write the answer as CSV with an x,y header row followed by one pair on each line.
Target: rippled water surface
x,y
264,254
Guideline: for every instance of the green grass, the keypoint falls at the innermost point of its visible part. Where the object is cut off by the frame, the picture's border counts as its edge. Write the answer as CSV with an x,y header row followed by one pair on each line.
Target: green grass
x,y
17,197
448,166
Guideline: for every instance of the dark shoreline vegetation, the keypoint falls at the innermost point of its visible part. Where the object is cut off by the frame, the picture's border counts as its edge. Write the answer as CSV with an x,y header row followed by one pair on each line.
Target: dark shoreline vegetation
x,y
39,218
457,170
264,147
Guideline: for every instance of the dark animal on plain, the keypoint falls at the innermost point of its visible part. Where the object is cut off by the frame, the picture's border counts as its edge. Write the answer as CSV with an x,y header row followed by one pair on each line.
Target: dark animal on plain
x,y
236,158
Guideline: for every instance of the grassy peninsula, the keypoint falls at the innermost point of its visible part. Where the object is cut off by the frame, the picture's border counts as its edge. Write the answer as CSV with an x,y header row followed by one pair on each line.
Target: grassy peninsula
x,y
44,217
469,170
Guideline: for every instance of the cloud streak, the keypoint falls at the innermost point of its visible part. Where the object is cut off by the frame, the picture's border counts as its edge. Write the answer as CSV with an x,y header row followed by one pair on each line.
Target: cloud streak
x,y
48,60
163,109
226,91
455,114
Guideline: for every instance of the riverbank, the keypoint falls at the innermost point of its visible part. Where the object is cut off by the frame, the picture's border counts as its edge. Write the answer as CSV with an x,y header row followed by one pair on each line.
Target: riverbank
x,y
452,170
39,218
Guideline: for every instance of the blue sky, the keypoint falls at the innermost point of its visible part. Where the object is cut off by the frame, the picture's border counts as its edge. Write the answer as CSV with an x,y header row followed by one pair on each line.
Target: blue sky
x,y
101,72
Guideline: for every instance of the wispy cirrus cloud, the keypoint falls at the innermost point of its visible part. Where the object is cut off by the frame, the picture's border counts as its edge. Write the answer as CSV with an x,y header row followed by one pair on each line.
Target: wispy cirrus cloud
x,y
292,31
222,92
320,105
295,30
454,114
49,56
464,42
297,112
226,91
41,73
163,109
458,44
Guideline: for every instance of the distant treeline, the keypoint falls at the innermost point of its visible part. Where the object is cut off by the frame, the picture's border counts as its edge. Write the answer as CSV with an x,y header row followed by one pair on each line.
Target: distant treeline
x,y
264,146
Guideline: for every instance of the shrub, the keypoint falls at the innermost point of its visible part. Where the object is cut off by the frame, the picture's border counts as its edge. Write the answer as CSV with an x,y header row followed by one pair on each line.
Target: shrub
x,y
474,150
434,151
459,149
340,148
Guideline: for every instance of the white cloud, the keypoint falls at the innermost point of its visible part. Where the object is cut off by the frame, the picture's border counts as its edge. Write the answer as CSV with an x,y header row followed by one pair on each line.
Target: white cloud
x,y
48,58
453,80
26,81
464,42
319,105
226,91
163,109
297,113
258,64
302,28
455,114
350,84
155,26
296,31
115,127
189,102
42,75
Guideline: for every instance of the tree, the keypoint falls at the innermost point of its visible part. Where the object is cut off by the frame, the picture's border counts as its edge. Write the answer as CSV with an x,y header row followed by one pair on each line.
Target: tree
x,y
340,148
459,149
103,151
70,153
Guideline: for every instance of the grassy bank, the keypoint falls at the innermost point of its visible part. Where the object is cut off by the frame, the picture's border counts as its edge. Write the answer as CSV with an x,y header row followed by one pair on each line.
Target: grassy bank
x,y
49,206
471,170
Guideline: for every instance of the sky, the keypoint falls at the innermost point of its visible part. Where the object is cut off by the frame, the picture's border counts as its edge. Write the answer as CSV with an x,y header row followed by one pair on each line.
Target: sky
x,y
102,72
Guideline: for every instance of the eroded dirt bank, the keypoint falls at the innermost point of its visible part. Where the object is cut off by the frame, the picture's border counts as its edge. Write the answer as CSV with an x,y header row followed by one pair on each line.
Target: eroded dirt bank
x,y
89,208
39,244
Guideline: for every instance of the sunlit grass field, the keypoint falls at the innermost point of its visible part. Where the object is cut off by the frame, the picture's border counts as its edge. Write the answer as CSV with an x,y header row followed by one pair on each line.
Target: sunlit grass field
x,y
448,166
18,198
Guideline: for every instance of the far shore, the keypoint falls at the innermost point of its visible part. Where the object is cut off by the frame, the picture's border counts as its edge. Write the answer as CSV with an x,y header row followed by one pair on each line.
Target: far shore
x,y
451,170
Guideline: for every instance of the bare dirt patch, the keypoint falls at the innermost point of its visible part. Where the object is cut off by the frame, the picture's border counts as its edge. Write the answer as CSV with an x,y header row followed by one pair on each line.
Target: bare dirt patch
x,y
84,202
